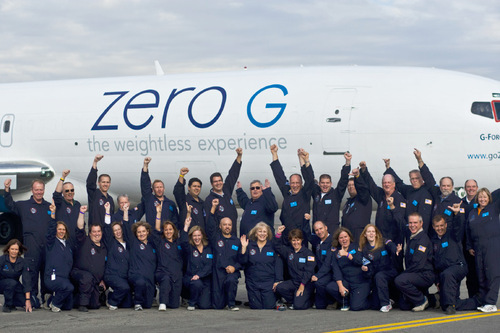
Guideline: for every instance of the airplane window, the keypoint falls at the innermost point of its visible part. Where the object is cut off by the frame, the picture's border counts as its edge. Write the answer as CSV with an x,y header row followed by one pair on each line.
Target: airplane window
x,y
496,105
482,109
6,126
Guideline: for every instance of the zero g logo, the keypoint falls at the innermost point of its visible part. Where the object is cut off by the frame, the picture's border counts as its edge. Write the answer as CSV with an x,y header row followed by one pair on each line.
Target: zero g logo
x,y
144,104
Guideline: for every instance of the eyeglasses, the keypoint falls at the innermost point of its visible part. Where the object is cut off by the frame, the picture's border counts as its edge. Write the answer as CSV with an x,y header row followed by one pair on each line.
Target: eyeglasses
x,y
254,188
71,190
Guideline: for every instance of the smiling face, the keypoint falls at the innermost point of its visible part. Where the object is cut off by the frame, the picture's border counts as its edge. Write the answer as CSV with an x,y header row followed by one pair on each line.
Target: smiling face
x,y
325,184
344,240
471,188
168,232
482,199
95,234
142,233
255,190
261,234
117,232
13,251
197,237
68,192
295,184
440,227
194,189
217,184
351,188
414,224
446,186
296,243
60,231
321,230
226,226
104,183
38,190
388,184
416,180
370,234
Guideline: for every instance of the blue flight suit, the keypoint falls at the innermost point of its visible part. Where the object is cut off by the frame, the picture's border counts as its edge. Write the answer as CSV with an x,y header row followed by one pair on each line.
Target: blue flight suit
x,y
261,209
12,290
88,269
201,264
483,235
391,223
226,253
471,281
326,207
117,266
419,274
321,250
418,200
263,267
58,264
357,211
341,268
35,219
198,214
96,200
226,207
381,264
150,201
301,267
67,212
168,273
294,205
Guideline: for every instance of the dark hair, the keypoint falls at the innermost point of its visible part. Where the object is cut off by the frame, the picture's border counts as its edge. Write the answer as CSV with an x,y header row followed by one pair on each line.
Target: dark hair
x,y
104,175
136,226
295,233
66,236
95,225
335,238
468,180
176,231
447,177
116,223
192,180
13,241
325,176
438,218
215,174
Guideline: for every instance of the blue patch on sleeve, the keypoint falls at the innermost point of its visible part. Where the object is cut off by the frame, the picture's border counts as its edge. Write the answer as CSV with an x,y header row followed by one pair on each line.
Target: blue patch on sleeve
x,y
445,244
302,260
353,251
235,247
293,204
171,208
475,205
179,247
388,207
231,201
411,251
253,212
415,203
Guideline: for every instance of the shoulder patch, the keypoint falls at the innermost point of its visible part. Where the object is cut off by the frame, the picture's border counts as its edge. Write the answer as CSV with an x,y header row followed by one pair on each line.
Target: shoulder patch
x,y
428,201
422,248
311,258
402,205
462,210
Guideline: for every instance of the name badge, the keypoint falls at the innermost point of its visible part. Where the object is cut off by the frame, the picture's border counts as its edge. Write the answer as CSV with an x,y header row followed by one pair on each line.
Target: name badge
x,y
415,203
302,260
411,251
231,201
234,247
328,202
253,212
210,256
445,244
323,252
485,214
353,251
171,208
447,212
293,204
383,253
270,254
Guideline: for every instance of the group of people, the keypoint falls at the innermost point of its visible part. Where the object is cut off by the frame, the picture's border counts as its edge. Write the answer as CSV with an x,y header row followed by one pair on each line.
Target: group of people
x,y
424,234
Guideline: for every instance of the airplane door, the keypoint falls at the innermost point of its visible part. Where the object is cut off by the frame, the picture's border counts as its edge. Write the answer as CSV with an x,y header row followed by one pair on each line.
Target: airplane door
x,y
336,121
6,130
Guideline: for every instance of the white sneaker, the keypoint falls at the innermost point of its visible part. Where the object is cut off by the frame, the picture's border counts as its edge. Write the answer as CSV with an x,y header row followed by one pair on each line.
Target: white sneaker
x,y
111,307
422,306
345,308
190,308
386,308
138,307
54,308
234,308
162,307
488,308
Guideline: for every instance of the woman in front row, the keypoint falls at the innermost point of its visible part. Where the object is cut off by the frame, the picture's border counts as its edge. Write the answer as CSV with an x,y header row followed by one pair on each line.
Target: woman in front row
x,y
350,287
301,263
263,267
198,275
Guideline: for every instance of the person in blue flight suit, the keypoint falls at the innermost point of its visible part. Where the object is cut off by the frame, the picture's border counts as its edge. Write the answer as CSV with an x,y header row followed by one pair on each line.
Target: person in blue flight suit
x,y
391,206
260,207
263,267
379,264
296,198
67,208
483,242
298,291
117,263
326,199
134,215
192,198
449,263
222,191
349,286
321,242
199,256
35,216
357,211
89,265
153,195
418,276
58,263
169,270
142,265
417,196
442,196
469,203
12,267
226,270
97,197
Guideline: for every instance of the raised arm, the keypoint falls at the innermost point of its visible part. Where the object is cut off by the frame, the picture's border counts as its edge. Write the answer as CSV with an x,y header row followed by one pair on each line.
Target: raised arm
x,y
234,172
146,189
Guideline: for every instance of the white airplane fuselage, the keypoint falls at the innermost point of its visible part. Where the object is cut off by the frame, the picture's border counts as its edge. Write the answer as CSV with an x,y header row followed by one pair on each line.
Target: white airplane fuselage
x,y
198,120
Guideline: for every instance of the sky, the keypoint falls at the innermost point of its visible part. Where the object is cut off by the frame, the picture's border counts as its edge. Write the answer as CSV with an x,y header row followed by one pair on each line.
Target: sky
x,y
55,39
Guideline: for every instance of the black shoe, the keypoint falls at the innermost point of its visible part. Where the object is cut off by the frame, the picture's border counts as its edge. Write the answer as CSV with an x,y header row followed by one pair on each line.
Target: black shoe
x,y
83,309
6,309
238,302
450,310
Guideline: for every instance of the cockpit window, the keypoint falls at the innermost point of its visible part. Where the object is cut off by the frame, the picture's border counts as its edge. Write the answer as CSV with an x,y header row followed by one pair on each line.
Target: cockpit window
x,y
6,126
482,109
496,110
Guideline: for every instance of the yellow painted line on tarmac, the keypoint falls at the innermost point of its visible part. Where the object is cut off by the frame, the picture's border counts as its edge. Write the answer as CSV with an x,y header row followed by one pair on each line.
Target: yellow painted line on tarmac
x,y
417,323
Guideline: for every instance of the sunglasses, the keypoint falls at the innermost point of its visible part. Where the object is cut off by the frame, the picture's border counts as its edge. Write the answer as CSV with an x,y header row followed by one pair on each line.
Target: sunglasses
x,y
71,190
254,188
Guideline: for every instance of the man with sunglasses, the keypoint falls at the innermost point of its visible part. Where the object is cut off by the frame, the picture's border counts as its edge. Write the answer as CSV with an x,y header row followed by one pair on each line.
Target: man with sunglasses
x,y
67,208
260,207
